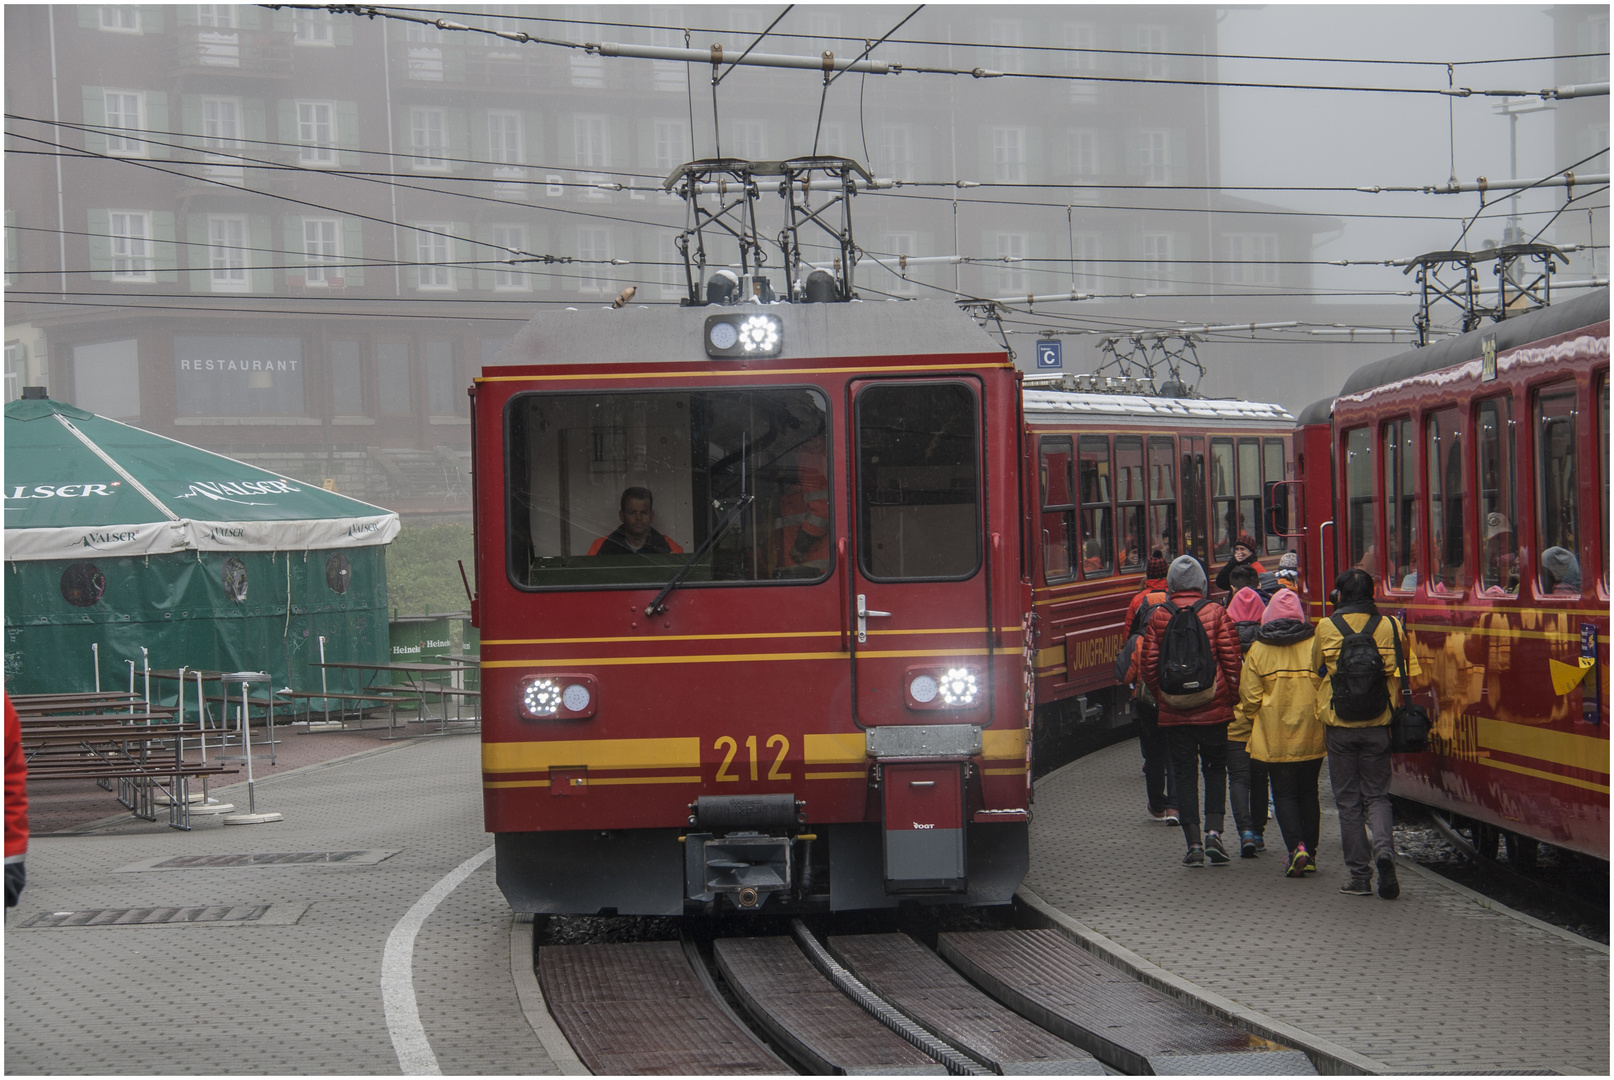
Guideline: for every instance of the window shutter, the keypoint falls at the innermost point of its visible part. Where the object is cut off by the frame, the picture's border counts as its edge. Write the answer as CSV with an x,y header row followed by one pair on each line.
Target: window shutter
x,y
98,225
286,123
190,117
247,18
162,235
157,121
457,123
484,276
197,255
89,16
464,251
342,31
94,116
280,21
185,15
291,231
347,132
254,122
352,248
151,19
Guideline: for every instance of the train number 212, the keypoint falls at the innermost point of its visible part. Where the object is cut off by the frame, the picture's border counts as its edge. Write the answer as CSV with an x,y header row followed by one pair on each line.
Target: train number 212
x,y
727,744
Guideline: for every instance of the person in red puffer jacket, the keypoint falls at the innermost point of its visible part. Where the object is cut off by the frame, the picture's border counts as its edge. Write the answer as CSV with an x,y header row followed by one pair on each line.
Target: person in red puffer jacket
x,y
1197,737
16,807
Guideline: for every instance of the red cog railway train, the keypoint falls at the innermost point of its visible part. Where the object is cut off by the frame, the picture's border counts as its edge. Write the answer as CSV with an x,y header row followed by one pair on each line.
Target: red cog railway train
x,y
875,561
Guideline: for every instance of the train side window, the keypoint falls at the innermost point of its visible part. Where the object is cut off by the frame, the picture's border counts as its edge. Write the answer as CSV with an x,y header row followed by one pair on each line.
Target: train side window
x,y
1162,497
1058,511
1557,493
1093,485
1359,501
1498,511
1224,513
1129,493
1443,457
1250,490
1400,506
1602,476
1273,472
1194,540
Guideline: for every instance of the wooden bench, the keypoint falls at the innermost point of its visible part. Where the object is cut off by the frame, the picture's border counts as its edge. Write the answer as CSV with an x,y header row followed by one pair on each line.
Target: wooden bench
x,y
391,700
108,751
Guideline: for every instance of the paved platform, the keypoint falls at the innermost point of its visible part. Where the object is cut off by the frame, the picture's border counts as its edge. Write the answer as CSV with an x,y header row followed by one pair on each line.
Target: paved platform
x,y
1439,980
295,991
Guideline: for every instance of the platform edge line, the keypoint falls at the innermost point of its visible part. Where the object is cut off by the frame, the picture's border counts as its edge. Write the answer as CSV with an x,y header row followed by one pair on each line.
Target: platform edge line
x,y
1403,863
531,998
1329,1058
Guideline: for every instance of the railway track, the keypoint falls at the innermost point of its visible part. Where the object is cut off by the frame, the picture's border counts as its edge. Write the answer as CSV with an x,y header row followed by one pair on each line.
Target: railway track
x,y
788,999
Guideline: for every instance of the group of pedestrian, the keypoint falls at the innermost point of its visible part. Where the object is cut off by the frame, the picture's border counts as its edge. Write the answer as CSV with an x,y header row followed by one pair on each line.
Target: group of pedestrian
x,y
1249,693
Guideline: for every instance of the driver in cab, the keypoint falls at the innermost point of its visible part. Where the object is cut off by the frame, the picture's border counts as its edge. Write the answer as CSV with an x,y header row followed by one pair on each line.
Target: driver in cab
x,y
635,535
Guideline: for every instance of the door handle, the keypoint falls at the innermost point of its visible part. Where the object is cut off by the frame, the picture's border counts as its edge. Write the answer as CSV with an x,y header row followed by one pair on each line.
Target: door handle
x,y
865,613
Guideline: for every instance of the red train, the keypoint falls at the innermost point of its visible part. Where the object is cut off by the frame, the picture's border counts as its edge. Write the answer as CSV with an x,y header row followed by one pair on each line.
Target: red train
x,y
1471,479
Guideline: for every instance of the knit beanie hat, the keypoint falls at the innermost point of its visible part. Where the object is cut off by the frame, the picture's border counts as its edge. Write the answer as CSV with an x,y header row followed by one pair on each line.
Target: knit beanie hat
x,y
1283,605
1289,561
1156,567
1245,540
1186,575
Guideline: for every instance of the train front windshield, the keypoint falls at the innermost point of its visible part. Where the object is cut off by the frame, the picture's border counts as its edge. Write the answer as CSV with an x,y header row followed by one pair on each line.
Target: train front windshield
x,y
627,488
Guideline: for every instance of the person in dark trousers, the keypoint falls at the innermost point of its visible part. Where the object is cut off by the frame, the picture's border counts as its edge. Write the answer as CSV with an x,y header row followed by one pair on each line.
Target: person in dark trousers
x,y
1157,781
1243,555
635,536
16,808
1278,698
1197,736
1246,779
1359,751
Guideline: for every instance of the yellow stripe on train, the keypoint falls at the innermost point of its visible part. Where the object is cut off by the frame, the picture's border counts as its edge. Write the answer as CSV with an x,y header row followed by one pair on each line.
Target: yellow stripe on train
x,y
1556,747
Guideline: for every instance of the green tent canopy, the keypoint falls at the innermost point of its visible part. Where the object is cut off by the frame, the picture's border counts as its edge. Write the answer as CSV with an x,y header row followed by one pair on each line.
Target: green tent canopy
x,y
128,541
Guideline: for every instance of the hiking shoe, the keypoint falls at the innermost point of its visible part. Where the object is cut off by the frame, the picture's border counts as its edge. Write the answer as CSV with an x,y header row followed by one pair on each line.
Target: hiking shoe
x,y
1195,856
1247,847
1214,851
1157,815
1389,887
1311,863
1297,862
1260,842
1358,886
1172,817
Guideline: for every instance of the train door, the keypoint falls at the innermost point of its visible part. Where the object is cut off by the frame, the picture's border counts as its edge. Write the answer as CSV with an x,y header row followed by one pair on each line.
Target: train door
x,y
1193,499
919,586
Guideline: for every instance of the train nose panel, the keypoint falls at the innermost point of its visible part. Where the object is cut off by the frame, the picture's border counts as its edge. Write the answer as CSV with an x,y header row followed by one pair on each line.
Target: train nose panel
x,y
924,827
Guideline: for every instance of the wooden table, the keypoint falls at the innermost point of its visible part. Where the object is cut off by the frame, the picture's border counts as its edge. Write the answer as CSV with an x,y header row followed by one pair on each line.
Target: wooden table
x,y
416,681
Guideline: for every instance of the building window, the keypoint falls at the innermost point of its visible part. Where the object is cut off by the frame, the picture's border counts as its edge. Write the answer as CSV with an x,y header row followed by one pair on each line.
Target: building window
x,y
1006,38
590,145
829,140
1009,155
124,111
1013,246
316,131
432,254
593,249
1156,267
671,145
510,238
131,245
667,75
422,34
217,16
221,130
238,375
1154,156
1252,258
588,69
1080,59
750,140
309,27
322,246
1152,41
1084,275
441,385
227,253
896,150
347,379
428,137
120,18
393,378
504,138
106,378
1082,154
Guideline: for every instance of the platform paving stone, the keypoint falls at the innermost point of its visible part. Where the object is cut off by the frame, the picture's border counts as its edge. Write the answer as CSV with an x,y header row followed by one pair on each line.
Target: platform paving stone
x,y
1431,982
299,999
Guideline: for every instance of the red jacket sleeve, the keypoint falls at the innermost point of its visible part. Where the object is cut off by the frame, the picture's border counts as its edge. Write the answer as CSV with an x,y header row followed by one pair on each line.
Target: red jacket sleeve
x,y
16,788
1224,639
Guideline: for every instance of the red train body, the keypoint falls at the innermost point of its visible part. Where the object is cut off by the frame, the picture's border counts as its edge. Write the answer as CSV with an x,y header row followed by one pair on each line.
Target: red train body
x,y
1471,479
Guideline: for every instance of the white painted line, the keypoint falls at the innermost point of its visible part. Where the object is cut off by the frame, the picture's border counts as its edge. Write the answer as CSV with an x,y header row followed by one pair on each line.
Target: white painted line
x,y
409,1040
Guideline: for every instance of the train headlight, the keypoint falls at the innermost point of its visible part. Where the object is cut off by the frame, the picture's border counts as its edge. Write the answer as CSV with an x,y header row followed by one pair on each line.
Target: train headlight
x,y
760,334
744,334
559,697
958,687
951,688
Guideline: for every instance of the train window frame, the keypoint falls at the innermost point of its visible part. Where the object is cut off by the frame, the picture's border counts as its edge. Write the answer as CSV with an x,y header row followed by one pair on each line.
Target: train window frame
x,y
1249,501
1360,491
1273,543
1496,508
1400,503
1222,520
1166,534
1066,509
1099,509
589,577
1193,487
1543,482
1446,504
861,507
1131,485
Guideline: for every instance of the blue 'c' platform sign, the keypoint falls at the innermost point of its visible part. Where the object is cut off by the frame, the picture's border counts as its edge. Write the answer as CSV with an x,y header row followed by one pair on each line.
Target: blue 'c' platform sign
x,y
1050,355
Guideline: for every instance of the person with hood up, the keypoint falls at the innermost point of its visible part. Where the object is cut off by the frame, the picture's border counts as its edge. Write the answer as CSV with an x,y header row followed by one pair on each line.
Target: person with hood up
x,y
1162,793
1560,572
1246,780
1244,549
1359,749
1196,734
1278,700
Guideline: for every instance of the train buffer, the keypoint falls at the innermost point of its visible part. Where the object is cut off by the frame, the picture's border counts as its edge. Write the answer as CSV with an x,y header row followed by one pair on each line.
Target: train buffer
x,y
1129,1026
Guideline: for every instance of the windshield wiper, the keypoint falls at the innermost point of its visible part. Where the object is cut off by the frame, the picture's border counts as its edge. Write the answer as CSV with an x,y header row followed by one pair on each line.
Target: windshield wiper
x,y
656,607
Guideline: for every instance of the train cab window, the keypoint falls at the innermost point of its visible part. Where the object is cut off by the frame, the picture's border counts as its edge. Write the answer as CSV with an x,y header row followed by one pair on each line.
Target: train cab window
x,y
1444,471
919,481
1273,472
1058,511
1224,511
1498,511
1093,485
1162,498
1358,455
1250,489
1129,498
735,482
1557,494
1400,505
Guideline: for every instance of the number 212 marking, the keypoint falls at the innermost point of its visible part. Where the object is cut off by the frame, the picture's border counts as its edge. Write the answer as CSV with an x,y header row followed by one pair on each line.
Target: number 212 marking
x,y
731,748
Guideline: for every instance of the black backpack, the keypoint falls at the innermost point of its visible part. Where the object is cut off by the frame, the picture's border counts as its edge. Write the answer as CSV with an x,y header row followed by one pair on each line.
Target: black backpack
x,y
1360,690
1187,668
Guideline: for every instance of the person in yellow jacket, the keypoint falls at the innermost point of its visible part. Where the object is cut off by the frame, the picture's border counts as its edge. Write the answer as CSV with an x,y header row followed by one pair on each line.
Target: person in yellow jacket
x,y
1359,750
1278,703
